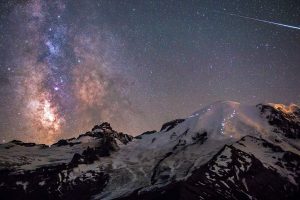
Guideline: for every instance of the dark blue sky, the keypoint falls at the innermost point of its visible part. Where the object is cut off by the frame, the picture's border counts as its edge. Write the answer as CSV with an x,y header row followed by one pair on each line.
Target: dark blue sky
x,y
67,65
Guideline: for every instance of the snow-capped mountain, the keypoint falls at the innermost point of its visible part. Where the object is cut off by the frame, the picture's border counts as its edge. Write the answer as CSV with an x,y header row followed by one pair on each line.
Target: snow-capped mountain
x,y
223,151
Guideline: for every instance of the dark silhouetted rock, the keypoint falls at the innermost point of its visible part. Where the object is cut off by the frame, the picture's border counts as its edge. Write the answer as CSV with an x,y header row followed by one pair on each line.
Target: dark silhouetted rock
x,y
286,123
169,125
145,133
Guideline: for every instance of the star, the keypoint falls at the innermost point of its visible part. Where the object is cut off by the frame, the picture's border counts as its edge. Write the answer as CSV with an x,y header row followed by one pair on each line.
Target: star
x,y
65,66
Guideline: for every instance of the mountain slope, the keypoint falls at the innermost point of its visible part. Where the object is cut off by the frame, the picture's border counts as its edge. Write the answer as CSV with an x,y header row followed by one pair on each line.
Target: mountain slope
x,y
237,172
30,171
223,151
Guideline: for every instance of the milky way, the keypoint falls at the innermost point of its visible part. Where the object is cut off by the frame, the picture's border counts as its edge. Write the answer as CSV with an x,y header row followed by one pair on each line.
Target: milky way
x,y
67,65
63,79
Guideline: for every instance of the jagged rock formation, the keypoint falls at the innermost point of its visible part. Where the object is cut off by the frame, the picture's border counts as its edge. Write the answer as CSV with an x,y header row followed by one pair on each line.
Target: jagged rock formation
x,y
223,151
235,173
286,120
30,177
169,125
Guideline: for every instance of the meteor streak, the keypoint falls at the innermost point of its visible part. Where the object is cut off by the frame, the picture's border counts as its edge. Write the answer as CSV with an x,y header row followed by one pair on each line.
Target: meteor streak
x,y
261,20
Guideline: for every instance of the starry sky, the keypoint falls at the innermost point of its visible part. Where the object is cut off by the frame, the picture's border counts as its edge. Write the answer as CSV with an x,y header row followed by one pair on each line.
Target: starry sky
x,y
66,65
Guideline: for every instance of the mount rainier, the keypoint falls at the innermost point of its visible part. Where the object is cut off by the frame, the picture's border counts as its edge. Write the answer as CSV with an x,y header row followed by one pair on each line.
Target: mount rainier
x,y
223,151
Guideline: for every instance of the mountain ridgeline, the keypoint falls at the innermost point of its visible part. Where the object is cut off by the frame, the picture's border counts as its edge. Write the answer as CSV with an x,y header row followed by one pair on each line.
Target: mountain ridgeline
x,y
223,151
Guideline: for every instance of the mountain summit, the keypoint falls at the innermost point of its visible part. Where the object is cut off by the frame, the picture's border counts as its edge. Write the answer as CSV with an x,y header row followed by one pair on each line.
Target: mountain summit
x,y
224,151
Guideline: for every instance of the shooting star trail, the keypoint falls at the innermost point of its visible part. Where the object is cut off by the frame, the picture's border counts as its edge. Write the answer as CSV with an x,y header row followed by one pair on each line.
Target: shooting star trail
x,y
260,20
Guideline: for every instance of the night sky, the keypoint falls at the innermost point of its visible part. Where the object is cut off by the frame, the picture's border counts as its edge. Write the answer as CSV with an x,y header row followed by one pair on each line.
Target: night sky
x,y
68,65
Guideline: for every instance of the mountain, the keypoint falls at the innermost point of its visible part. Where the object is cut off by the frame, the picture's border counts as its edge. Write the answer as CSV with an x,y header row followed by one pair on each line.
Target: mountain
x,y
223,151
